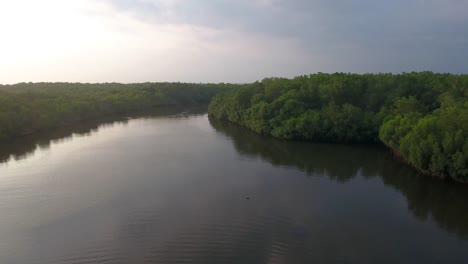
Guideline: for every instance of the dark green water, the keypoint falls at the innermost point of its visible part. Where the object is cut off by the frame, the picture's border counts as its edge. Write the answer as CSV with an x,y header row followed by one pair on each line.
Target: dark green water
x,y
174,189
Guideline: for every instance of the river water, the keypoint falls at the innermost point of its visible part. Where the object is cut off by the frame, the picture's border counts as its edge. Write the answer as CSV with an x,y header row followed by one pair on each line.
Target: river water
x,y
186,189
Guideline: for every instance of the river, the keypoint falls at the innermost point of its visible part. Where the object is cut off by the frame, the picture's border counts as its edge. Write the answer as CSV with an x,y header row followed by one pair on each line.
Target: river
x,y
182,188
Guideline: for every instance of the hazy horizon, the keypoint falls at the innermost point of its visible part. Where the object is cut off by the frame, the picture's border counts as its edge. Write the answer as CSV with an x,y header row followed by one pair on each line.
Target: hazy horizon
x,y
242,41
220,82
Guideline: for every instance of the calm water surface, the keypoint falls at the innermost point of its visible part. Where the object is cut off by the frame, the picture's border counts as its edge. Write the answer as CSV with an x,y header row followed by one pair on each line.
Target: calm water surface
x,y
184,189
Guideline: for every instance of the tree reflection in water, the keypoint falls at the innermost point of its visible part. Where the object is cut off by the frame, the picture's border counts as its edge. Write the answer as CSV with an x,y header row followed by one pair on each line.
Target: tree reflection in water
x,y
442,200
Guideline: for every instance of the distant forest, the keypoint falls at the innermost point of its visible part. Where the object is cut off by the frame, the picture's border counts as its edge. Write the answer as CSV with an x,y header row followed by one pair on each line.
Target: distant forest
x,y
26,108
422,117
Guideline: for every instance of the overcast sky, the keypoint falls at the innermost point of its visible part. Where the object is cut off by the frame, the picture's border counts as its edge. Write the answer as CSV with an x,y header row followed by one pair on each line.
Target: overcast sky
x,y
226,41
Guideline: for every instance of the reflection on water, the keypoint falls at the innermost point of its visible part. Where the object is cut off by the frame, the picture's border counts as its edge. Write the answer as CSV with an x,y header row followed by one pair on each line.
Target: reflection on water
x,y
23,147
20,149
335,161
174,189
443,201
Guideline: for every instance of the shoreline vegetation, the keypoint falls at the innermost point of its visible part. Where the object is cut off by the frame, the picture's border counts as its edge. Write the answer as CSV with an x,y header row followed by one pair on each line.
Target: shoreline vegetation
x,y
29,108
422,117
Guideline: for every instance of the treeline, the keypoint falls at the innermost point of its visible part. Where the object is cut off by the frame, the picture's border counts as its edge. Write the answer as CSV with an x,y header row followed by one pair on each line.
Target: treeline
x,y
30,107
422,117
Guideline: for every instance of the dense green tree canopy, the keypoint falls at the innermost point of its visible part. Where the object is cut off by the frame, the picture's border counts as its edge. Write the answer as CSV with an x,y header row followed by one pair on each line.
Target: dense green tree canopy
x,y
423,116
29,107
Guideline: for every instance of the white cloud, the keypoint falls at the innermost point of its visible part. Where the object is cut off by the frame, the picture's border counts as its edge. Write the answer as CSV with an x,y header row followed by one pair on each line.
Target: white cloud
x,y
88,41
211,41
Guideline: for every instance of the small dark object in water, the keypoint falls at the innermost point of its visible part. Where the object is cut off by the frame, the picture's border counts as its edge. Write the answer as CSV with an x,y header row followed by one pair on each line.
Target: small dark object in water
x,y
248,198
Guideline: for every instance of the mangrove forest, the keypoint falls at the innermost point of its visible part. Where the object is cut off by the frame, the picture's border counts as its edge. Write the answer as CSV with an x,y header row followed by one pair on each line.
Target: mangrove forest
x,y
422,117
26,108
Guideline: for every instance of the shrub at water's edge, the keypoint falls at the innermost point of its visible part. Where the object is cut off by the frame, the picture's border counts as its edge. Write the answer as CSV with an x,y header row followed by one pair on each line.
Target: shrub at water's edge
x,y
423,117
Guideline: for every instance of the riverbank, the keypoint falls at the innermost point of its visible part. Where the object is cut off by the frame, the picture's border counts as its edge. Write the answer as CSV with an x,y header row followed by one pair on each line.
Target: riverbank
x,y
29,108
422,116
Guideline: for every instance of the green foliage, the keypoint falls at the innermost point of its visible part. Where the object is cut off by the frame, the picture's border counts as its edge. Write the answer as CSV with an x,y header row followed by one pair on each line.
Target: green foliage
x,y
406,105
29,107
438,143
421,116
393,130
